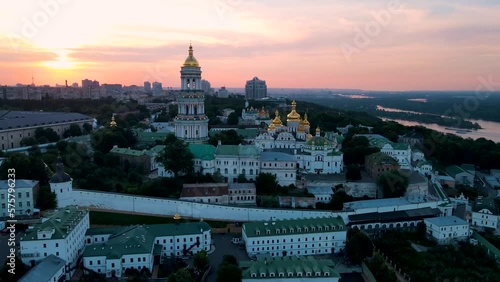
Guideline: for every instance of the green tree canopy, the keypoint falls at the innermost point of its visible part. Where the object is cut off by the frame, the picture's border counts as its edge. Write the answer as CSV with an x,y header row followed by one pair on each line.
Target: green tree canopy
x,y
266,184
227,137
393,183
358,246
233,119
181,275
201,261
177,157
229,270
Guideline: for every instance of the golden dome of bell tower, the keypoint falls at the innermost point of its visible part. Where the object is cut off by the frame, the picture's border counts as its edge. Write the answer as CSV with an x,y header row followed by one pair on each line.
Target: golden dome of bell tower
x,y
191,60
293,115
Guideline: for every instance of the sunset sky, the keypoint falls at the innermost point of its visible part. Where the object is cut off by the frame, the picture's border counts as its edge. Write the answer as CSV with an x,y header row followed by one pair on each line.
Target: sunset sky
x,y
413,45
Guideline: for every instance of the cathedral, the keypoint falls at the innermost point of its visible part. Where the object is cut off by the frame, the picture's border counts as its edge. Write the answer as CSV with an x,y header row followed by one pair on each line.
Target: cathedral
x,y
314,153
191,123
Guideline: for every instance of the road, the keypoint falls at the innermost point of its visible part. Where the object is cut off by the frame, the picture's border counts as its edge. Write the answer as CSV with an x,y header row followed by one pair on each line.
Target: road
x,y
223,246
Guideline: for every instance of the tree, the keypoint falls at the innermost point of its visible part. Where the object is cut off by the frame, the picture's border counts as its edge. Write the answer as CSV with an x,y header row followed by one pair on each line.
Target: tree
x,y
46,199
200,261
229,271
28,141
87,128
73,130
393,183
181,275
233,119
353,172
358,246
230,259
177,157
227,137
266,183
242,178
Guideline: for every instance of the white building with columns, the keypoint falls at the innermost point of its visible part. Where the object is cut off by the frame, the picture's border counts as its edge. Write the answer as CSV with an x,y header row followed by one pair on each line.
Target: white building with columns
x,y
191,123
295,237
233,160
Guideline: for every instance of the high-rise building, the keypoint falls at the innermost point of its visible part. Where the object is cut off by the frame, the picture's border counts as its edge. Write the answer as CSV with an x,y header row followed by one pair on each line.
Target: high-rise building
x,y
191,123
147,86
87,83
157,89
255,89
205,86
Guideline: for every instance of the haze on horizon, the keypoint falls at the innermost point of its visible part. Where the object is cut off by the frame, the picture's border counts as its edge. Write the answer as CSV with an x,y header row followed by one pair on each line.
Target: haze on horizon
x,y
418,45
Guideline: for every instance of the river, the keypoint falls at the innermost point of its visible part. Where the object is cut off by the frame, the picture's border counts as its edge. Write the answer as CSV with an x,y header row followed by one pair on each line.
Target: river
x,y
490,129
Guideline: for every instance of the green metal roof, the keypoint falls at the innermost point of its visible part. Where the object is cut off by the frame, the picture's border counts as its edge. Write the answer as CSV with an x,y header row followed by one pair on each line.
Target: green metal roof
x,y
381,158
299,226
288,265
202,151
248,133
127,151
237,150
138,239
155,150
62,221
468,167
492,250
485,203
454,170
151,137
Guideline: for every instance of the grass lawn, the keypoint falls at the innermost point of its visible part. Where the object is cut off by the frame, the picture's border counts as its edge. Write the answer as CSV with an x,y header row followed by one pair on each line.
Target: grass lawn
x,y
110,218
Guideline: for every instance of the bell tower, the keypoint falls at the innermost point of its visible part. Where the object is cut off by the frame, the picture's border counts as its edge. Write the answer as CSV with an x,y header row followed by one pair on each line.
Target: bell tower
x,y
191,123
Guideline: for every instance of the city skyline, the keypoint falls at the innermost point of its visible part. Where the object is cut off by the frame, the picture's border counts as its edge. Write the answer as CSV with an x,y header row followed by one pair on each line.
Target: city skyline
x,y
393,45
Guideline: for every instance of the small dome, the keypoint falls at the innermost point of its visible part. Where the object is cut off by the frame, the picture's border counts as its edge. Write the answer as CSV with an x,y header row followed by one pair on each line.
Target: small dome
x,y
277,119
191,60
60,176
305,122
318,141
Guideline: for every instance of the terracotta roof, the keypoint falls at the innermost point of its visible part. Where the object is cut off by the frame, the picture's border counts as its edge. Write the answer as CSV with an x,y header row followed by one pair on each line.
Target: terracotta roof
x,y
204,190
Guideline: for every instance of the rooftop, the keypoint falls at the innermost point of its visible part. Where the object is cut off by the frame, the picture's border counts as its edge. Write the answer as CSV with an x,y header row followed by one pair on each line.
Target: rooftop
x,y
485,203
204,190
454,170
45,270
241,186
380,159
202,151
377,203
19,119
447,221
60,221
19,183
288,266
237,150
321,190
276,156
393,216
138,239
299,226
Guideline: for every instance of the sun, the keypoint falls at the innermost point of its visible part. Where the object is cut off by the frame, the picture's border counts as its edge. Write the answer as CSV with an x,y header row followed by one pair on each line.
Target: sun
x,y
62,62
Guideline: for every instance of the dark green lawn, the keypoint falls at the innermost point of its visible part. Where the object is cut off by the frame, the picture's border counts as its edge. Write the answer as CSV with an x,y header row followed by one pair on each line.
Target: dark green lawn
x,y
110,218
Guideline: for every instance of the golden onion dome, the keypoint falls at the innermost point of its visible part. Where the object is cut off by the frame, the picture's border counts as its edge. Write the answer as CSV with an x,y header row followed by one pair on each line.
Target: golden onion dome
x,y
293,115
317,130
191,60
271,127
305,122
277,119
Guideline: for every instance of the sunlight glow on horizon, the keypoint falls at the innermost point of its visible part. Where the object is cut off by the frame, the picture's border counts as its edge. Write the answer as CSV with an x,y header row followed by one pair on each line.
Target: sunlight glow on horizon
x,y
420,46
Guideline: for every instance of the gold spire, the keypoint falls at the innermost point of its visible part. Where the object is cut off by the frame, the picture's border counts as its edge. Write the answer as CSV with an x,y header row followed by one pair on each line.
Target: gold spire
x,y
277,119
177,216
191,60
113,122
301,127
305,122
293,115
317,131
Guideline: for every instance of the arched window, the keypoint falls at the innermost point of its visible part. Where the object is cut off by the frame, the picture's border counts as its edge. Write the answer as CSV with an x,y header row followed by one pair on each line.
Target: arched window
x,y
235,171
225,171
251,171
188,84
193,86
